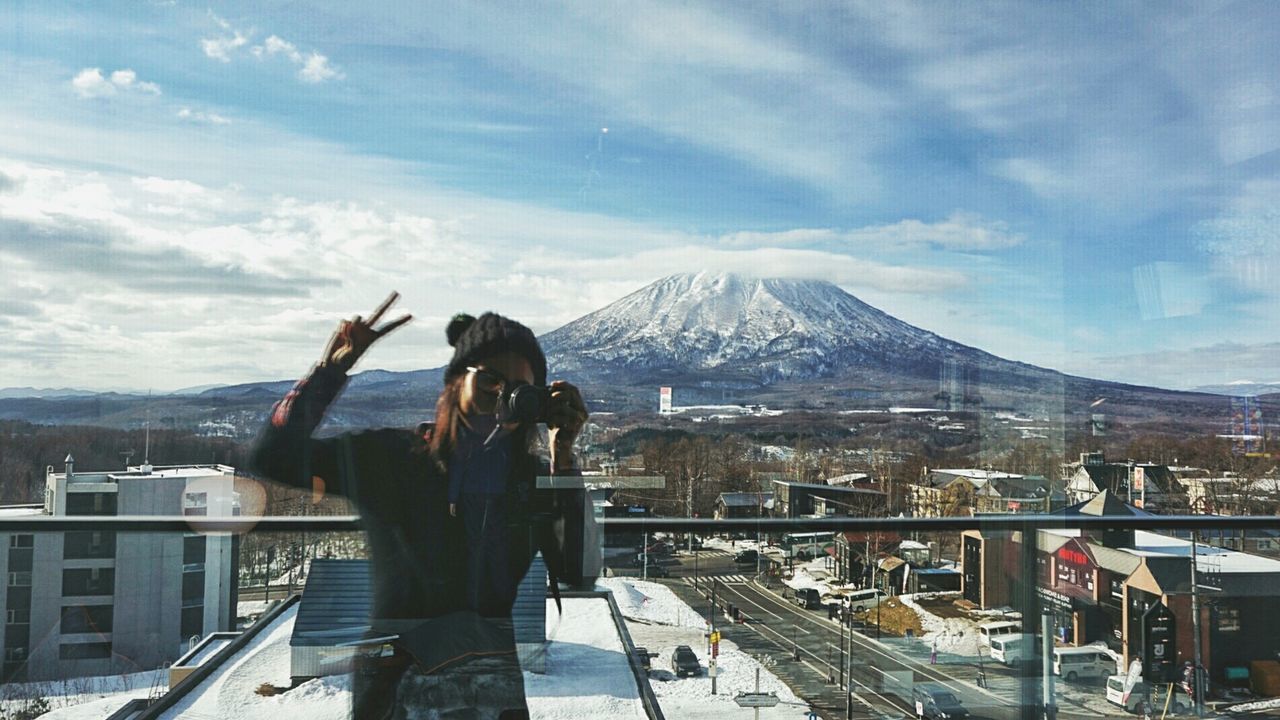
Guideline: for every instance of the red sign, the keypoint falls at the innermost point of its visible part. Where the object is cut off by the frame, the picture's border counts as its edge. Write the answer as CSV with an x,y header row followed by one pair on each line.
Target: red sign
x,y
1075,557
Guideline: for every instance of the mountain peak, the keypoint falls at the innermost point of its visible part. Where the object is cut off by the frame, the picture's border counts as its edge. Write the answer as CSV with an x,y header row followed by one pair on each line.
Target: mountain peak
x,y
729,325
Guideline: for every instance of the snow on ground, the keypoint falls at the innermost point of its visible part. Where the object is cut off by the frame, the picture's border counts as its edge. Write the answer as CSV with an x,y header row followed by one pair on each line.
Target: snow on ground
x,y
659,621
229,692
88,698
1272,704
588,674
253,608
958,636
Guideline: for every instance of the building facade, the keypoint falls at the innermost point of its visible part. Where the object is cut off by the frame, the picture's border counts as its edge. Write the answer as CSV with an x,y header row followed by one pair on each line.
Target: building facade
x,y
1108,586
98,602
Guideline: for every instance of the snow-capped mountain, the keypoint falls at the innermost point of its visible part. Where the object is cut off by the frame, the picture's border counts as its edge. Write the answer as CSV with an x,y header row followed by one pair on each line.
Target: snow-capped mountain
x,y
762,330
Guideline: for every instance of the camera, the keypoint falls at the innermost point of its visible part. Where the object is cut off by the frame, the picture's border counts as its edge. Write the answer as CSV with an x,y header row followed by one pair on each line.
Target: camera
x,y
524,403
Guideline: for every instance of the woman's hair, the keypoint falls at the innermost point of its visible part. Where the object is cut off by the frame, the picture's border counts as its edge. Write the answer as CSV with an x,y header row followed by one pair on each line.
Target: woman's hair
x,y
448,423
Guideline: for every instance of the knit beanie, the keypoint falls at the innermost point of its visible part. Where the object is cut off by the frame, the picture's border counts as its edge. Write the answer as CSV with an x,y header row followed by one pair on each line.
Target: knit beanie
x,y
474,339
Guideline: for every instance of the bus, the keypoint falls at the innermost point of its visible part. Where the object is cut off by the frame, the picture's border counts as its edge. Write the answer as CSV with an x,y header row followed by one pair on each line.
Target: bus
x,y
806,546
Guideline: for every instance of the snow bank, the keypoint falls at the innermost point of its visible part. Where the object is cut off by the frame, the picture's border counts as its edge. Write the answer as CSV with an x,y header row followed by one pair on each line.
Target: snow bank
x,y
957,636
650,602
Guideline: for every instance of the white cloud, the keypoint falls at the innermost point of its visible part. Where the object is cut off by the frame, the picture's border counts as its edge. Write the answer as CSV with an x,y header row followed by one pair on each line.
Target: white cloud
x,y
313,67
317,69
960,231
221,48
90,83
200,116
1185,368
276,45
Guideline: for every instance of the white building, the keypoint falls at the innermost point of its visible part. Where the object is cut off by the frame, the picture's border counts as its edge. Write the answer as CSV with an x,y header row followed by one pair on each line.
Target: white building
x,y
100,602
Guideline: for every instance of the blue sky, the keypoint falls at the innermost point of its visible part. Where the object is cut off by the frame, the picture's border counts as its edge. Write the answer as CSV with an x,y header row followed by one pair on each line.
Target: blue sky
x,y
194,193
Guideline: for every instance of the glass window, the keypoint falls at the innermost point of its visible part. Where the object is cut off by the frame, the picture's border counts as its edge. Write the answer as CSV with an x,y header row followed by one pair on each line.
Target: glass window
x,y
86,619
84,651
91,503
88,581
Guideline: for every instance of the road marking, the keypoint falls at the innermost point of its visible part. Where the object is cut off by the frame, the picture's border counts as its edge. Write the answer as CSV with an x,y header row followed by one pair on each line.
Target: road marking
x,y
891,702
875,647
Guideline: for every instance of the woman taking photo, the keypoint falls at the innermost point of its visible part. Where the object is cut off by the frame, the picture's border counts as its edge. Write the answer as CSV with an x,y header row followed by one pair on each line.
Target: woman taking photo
x,y
452,511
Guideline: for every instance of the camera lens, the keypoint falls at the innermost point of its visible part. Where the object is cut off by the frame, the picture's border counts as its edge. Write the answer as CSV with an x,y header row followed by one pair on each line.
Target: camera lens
x,y
527,403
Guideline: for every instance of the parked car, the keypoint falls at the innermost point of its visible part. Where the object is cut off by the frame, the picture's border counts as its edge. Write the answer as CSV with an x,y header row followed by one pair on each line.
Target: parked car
x,y
643,656
1141,691
809,598
933,702
746,556
684,662
655,570
1074,663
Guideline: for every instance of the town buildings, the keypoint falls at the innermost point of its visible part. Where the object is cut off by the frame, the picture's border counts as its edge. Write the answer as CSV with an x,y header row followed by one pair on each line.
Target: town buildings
x,y
102,602
1108,586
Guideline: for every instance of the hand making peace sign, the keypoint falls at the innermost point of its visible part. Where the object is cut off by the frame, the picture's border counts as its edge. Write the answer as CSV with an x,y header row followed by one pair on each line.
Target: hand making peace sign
x,y
354,336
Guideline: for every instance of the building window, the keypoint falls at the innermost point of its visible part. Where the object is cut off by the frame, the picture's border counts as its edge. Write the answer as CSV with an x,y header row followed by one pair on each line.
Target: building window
x,y
86,619
195,503
20,579
89,545
88,581
193,552
192,588
85,651
18,616
22,541
192,621
91,503
1228,619
15,654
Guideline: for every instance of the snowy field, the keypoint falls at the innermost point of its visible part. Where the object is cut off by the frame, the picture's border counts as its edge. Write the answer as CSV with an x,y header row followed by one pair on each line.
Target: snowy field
x,y
89,698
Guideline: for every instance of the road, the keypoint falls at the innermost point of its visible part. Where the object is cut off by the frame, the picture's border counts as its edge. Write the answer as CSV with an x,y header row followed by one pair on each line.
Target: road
x,y
882,671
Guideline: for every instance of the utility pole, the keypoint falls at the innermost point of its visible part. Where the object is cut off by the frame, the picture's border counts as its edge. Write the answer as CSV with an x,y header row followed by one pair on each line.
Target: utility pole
x,y
841,619
848,689
1195,628
644,572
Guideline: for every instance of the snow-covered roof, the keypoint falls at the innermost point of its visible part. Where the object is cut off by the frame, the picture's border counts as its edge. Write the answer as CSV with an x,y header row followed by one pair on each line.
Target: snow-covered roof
x,y
20,510
1210,559
588,675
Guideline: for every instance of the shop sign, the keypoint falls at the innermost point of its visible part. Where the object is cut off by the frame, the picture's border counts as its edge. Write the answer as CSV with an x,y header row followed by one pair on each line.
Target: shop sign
x,y
1054,598
1160,663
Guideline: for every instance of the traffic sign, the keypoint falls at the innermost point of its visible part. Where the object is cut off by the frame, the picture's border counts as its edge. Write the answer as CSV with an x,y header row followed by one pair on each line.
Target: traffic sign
x,y
756,700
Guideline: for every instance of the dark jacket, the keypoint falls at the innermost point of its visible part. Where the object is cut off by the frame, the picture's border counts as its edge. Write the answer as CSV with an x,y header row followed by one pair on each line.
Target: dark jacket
x,y
417,550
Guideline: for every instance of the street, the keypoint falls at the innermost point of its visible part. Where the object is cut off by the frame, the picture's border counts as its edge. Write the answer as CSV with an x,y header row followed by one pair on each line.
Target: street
x,y
883,671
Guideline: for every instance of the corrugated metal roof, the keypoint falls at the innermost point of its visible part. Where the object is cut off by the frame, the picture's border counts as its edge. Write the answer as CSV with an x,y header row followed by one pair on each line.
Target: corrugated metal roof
x,y
335,605
1114,560
745,499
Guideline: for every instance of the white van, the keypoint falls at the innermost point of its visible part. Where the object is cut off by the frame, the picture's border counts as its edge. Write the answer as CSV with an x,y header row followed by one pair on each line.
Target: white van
x,y
861,600
1073,663
1158,693
1013,649
987,631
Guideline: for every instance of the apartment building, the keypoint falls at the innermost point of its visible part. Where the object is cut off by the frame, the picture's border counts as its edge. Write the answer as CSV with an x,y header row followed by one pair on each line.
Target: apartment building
x,y
99,601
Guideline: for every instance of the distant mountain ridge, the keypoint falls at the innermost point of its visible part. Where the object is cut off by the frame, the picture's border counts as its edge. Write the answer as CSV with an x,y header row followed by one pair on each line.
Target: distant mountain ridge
x,y
787,343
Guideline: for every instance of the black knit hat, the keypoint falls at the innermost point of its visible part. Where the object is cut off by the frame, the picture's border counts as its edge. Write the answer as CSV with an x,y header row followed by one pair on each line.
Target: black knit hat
x,y
474,339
